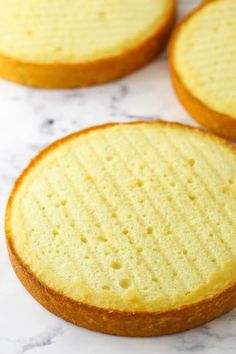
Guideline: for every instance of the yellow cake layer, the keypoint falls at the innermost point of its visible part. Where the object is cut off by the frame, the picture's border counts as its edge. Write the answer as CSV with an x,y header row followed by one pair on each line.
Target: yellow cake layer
x,y
205,55
72,31
130,217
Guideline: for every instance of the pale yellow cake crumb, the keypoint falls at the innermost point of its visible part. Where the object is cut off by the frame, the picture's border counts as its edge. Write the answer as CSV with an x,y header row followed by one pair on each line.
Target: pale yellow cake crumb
x,y
130,217
69,31
205,56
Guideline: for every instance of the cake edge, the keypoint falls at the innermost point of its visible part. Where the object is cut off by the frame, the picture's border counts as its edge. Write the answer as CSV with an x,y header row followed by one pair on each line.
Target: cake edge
x,y
219,123
110,321
67,75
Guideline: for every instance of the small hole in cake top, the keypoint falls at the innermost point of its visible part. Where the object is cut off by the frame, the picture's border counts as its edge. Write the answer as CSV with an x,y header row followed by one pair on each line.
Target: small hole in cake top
x,y
102,14
88,178
101,238
139,183
109,158
149,230
116,265
105,287
55,232
58,49
61,203
83,239
124,283
191,162
191,197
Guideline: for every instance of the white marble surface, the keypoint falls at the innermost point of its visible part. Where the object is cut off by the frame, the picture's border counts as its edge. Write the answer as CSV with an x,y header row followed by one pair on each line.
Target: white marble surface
x,y
31,119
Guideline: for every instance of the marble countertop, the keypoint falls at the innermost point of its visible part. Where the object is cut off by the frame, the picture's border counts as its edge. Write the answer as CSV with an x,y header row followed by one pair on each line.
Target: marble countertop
x,y
31,119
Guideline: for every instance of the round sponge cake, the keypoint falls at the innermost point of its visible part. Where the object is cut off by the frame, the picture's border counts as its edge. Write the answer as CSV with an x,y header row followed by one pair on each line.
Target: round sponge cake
x,y
72,43
128,229
203,57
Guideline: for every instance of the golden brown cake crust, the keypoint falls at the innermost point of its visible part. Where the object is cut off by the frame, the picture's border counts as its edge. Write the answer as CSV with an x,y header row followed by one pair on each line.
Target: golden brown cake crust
x,y
219,123
91,73
124,323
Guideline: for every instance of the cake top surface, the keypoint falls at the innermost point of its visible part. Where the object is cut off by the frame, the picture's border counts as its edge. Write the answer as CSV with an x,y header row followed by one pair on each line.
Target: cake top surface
x,y
129,217
205,55
75,31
